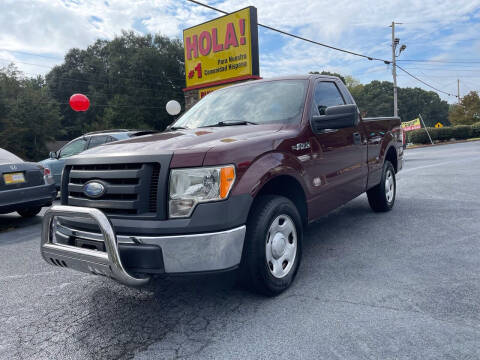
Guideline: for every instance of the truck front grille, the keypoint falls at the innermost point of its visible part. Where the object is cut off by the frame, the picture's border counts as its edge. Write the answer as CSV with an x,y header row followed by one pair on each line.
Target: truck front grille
x,y
131,189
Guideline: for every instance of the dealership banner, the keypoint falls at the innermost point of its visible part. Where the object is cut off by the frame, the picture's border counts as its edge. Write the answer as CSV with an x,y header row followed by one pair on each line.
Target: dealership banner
x,y
222,50
205,91
411,125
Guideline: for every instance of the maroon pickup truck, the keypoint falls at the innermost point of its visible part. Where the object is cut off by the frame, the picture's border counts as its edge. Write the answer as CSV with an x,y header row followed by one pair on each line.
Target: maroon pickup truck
x,y
230,185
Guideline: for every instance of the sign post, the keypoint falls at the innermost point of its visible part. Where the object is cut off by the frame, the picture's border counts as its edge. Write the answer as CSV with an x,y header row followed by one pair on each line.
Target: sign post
x,y
420,116
220,52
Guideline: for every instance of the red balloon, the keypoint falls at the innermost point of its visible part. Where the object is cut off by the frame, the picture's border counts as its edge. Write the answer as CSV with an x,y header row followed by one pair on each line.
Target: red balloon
x,y
79,102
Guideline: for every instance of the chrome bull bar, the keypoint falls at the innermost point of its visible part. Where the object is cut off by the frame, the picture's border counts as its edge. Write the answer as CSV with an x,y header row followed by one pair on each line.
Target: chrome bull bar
x,y
106,263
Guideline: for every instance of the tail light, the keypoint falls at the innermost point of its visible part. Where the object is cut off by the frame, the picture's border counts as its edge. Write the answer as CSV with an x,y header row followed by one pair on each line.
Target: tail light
x,y
46,172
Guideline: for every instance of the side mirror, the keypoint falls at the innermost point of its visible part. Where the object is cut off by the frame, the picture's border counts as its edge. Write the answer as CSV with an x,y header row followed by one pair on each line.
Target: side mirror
x,y
173,107
336,117
52,155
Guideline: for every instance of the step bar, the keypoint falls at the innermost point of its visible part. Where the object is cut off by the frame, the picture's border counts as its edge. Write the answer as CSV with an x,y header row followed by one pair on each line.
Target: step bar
x,y
106,263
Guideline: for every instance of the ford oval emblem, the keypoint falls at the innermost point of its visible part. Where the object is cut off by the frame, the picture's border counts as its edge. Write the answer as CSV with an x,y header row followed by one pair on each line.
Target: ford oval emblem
x,y
94,189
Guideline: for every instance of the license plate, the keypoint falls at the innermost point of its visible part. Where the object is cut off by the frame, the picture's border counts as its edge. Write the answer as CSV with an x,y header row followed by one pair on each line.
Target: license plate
x,y
14,178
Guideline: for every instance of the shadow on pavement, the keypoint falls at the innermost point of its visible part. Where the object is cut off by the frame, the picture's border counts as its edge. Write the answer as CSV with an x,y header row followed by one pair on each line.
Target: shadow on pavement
x,y
13,221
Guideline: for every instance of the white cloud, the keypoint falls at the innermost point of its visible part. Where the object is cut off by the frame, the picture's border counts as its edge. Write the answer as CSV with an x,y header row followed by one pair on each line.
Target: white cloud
x,y
442,27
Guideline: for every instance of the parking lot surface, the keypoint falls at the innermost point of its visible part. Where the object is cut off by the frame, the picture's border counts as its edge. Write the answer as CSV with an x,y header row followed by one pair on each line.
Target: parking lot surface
x,y
400,285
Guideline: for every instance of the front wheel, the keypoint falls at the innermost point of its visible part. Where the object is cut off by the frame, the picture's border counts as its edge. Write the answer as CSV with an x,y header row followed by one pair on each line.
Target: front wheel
x,y
382,197
29,212
273,245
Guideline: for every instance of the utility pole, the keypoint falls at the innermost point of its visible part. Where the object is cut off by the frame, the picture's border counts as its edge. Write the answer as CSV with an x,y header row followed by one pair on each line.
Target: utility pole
x,y
395,42
394,71
458,90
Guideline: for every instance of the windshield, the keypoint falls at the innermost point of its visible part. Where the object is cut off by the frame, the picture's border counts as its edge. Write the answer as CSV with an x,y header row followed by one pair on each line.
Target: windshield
x,y
261,103
73,148
8,158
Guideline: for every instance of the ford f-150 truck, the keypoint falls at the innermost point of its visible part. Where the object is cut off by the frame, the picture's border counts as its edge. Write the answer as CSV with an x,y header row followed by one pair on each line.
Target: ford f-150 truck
x,y
230,185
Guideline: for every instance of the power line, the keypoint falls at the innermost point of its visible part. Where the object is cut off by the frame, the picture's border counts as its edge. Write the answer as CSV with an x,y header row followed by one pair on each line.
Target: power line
x,y
261,25
444,65
51,67
423,82
445,61
297,36
453,76
32,54
322,44
26,63
109,84
454,70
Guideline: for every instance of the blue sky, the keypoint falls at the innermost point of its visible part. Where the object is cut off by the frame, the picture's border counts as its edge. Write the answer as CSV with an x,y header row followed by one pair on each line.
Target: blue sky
x,y
36,34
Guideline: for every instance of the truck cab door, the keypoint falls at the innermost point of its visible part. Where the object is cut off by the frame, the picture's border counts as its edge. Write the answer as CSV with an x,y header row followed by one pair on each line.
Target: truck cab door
x,y
339,166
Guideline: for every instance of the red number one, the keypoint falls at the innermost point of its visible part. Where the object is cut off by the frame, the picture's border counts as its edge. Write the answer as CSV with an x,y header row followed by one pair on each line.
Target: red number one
x,y
198,69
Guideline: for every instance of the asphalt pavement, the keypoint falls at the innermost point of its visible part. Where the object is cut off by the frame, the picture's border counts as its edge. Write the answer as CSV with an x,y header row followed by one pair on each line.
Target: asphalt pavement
x,y
400,285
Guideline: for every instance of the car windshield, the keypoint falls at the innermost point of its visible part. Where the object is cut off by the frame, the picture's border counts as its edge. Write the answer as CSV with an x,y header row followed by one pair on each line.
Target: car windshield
x,y
8,158
254,102
73,148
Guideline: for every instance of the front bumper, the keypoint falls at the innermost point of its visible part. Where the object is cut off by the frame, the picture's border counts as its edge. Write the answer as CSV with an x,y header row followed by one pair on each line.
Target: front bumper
x,y
181,253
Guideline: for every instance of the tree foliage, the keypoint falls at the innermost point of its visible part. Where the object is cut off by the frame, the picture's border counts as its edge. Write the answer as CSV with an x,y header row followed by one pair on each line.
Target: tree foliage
x,y
467,112
128,80
28,115
376,99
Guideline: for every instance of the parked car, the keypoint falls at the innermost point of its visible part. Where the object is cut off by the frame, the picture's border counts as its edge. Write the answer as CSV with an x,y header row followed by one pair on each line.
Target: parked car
x,y
56,160
231,185
24,187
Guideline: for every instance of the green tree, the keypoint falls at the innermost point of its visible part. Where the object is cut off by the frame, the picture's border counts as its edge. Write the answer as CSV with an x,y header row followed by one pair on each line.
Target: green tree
x,y
29,116
376,99
351,82
128,80
467,112
414,101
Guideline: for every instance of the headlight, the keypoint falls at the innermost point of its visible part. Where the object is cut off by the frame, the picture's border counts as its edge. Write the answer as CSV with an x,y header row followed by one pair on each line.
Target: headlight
x,y
188,187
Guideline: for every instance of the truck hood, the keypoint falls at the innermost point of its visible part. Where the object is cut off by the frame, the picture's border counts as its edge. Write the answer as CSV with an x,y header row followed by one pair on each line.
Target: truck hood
x,y
193,141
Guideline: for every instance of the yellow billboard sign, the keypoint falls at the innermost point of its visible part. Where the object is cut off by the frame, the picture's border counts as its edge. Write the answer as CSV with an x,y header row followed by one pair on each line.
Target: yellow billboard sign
x,y
222,50
411,125
205,91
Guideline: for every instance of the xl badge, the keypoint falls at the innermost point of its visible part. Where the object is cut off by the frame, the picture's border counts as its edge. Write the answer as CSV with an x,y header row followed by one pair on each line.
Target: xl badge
x,y
301,146
94,189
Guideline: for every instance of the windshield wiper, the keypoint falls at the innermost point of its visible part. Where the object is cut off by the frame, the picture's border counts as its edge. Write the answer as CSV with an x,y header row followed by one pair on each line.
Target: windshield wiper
x,y
232,123
176,128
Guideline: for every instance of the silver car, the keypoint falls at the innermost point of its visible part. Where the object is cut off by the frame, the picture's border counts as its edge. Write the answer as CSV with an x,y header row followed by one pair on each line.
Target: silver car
x,y
56,161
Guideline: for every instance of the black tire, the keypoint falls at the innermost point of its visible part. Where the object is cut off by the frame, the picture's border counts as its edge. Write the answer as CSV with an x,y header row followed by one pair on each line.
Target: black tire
x,y
377,196
255,270
29,212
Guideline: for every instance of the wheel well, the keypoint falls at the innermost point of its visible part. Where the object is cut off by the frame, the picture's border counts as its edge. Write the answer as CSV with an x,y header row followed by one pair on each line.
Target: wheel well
x,y
288,186
392,157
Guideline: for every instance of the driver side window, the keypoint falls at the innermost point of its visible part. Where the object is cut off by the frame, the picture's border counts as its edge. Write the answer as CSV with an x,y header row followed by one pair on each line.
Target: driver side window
x,y
73,148
326,94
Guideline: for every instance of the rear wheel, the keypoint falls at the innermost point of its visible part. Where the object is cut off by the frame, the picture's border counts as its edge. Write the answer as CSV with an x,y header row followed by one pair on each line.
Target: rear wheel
x,y
382,197
273,245
29,212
